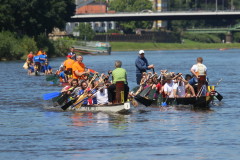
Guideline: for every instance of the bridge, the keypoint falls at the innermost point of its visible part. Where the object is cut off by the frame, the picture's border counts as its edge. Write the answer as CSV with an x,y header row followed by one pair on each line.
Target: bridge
x,y
235,28
149,16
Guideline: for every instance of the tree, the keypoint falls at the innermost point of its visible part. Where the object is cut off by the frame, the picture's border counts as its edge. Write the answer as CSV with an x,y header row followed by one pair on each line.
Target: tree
x,y
35,16
85,31
132,6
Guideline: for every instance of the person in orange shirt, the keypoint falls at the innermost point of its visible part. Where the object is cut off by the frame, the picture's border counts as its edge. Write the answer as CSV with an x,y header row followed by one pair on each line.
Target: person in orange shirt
x,y
78,69
68,66
30,57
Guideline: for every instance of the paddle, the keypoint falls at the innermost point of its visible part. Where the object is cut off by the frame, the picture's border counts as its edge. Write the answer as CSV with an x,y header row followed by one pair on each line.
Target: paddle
x,y
68,104
152,93
218,96
85,94
51,95
51,77
63,98
80,100
164,104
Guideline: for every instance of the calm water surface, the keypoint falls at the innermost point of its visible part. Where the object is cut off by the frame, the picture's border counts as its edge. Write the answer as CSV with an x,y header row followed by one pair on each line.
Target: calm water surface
x,y
30,130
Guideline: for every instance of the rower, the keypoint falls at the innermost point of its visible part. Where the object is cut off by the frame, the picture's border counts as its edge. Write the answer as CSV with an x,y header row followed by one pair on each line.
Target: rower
x,y
119,77
68,66
78,69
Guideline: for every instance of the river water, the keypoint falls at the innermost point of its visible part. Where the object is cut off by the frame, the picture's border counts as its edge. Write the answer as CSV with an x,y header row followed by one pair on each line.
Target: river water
x,y
29,130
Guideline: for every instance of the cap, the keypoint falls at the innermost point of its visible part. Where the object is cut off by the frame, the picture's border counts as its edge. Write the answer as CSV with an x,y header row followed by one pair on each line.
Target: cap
x,y
69,56
141,51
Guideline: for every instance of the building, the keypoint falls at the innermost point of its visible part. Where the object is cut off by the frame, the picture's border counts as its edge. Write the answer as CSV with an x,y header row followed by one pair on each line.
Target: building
x,y
160,6
91,7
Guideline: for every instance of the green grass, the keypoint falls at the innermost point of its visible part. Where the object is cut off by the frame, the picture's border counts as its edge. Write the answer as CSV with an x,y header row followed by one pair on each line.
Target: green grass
x,y
133,46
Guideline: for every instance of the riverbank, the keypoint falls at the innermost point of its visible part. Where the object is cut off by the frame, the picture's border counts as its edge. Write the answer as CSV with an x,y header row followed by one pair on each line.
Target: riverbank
x,y
133,46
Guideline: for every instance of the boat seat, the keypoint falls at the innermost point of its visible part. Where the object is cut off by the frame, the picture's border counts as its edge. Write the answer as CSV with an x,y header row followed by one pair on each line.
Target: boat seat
x,y
119,92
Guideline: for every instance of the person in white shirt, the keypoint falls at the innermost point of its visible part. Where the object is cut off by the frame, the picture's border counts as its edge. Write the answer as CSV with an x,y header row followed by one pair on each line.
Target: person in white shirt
x,y
168,87
101,94
198,70
179,88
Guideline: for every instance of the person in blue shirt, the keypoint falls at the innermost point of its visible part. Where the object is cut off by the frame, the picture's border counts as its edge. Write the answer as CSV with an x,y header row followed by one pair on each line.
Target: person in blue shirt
x,y
36,60
142,65
72,54
31,68
47,69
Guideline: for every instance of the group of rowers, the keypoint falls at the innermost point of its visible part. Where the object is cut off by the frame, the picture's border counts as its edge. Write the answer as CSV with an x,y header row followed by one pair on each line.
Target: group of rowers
x,y
169,84
38,63
83,81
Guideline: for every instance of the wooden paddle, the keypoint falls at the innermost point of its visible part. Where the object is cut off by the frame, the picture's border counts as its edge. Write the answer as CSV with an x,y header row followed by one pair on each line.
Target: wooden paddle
x,y
80,100
84,95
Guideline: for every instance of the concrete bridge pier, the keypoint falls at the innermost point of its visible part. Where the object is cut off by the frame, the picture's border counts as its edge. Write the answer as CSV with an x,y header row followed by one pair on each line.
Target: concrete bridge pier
x,y
229,38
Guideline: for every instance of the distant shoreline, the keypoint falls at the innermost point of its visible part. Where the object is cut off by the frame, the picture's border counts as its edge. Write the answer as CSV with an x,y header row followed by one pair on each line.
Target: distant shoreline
x,y
133,46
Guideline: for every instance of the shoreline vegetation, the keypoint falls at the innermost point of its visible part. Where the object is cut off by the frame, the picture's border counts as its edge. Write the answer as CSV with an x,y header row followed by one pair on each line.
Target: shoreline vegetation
x,y
187,45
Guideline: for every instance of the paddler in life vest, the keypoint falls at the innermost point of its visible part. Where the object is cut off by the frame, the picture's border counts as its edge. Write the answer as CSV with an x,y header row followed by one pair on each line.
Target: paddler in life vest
x,y
78,69
199,72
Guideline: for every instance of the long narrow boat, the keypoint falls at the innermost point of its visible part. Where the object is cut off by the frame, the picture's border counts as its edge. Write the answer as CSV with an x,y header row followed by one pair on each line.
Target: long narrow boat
x,y
117,108
37,74
192,102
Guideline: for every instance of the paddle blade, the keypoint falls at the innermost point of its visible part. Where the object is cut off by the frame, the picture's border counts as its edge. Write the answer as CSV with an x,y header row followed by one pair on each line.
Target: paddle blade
x,y
62,99
145,91
51,77
67,105
164,104
219,96
143,100
51,95
152,93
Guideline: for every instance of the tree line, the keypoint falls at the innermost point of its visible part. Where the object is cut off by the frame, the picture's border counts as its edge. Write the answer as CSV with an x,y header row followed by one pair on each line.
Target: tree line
x,y
33,17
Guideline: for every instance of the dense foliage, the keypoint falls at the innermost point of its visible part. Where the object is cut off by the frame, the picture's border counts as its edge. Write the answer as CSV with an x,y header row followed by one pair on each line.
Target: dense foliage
x,y
13,47
35,16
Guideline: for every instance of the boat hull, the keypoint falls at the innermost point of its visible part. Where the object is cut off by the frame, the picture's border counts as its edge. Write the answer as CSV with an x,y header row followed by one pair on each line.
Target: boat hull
x,y
194,102
117,108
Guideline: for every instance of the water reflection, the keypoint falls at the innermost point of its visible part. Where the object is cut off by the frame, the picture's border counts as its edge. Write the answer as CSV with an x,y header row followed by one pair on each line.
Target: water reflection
x,y
82,119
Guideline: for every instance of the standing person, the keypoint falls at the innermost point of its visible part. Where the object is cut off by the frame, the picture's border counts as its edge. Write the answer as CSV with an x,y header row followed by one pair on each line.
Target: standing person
x,y
199,72
118,74
72,54
78,69
142,65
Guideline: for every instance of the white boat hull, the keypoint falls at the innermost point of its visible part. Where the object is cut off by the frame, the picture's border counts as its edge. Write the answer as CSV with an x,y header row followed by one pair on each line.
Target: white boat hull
x,y
117,108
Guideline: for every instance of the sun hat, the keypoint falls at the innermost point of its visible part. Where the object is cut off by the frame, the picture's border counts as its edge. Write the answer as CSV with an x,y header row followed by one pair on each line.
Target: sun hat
x,y
141,51
168,77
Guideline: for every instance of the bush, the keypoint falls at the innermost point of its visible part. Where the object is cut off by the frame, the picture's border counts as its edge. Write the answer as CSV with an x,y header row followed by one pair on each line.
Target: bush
x,y
46,44
205,38
8,45
27,45
236,37
62,46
